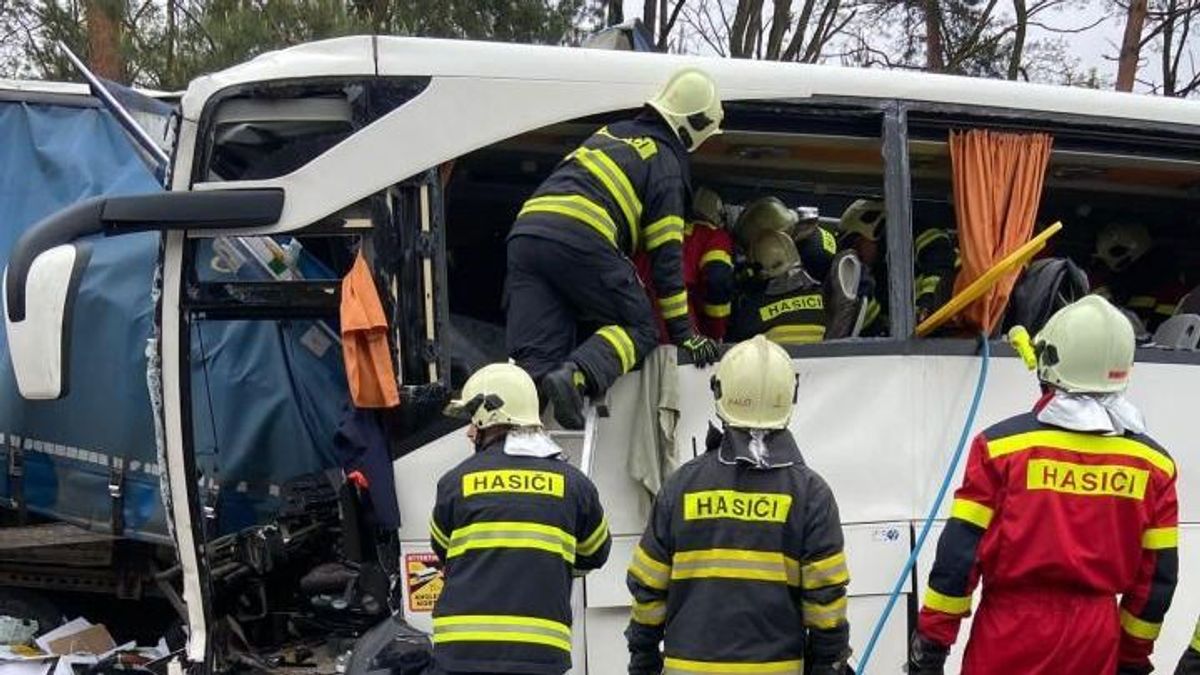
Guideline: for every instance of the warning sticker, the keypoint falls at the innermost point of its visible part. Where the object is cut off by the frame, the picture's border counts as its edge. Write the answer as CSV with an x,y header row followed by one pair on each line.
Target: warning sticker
x,y
425,581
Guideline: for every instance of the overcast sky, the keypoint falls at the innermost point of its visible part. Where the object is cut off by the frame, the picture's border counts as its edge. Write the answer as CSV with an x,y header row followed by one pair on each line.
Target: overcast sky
x,y
1090,46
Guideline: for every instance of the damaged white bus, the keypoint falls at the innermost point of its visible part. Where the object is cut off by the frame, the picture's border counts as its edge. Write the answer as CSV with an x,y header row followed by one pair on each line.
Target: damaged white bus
x,y
421,151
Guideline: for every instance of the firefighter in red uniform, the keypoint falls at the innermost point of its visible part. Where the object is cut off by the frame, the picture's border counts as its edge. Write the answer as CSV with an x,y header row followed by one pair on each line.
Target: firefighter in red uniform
x,y
707,268
1061,510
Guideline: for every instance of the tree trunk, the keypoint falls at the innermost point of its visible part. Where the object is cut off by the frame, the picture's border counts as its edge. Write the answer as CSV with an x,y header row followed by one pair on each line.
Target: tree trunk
x,y
779,25
1131,45
753,46
669,25
616,13
650,17
103,19
1168,38
935,60
737,33
1021,12
797,41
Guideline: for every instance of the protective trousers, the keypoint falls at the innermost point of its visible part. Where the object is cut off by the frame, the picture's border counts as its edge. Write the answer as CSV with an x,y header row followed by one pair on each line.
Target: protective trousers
x,y
552,287
1043,632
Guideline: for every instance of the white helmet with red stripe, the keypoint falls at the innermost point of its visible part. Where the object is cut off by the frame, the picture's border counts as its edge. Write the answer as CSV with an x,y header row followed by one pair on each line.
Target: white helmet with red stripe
x,y
1086,347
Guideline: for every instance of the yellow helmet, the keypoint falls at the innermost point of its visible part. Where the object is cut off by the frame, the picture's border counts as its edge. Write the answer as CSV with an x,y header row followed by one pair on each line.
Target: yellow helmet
x,y
691,106
755,385
865,217
498,394
763,214
1086,347
708,207
775,253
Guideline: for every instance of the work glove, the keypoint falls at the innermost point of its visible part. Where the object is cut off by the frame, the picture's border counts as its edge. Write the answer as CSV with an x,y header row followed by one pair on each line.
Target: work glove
x,y
645,663
703,350
926,657
1134,669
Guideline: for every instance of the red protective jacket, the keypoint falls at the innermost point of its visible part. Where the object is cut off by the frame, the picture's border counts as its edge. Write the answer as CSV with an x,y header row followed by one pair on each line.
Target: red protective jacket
x,y
707,276
1056,524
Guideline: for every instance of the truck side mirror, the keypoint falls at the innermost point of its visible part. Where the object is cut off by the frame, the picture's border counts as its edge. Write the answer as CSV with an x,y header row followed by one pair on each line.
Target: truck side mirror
x,y
46,266
39,337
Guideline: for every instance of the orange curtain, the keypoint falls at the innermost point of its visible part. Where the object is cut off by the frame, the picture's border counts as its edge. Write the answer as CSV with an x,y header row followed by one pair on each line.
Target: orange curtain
x,y
369,369
997,189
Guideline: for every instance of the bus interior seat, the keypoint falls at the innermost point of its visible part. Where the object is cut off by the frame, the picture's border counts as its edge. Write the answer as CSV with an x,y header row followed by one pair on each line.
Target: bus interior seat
x,y
1180,332
846,312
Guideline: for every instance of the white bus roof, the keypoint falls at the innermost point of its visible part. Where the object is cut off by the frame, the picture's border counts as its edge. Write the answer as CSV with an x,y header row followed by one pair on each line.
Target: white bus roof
x,y
67,88
737,79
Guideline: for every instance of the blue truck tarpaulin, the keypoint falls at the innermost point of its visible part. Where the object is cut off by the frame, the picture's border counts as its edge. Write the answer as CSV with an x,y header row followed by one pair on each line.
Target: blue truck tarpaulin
x,y
266,395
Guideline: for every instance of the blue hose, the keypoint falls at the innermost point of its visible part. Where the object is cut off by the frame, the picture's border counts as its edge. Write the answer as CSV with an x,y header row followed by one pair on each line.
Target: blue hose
x,y
933,510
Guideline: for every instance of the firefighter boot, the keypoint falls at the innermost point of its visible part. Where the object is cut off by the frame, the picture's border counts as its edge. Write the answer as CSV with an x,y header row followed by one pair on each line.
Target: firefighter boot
x,y
563,388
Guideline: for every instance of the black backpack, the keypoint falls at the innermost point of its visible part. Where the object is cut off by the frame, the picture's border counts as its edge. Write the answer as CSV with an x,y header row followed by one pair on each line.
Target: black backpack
x,y
1047,286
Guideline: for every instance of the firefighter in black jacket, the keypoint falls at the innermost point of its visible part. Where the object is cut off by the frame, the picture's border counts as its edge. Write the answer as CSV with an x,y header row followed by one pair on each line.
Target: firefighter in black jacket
x,y
512,525
790,308
741,568
1190,663
624,190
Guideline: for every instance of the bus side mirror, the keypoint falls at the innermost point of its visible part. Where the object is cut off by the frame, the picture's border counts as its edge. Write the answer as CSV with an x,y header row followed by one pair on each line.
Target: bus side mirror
x,y
46,266
39,337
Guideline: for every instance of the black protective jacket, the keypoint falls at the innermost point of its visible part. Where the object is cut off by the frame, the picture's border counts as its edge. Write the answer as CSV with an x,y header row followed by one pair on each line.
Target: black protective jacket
x,y
511,531
629,184
789,310
741,567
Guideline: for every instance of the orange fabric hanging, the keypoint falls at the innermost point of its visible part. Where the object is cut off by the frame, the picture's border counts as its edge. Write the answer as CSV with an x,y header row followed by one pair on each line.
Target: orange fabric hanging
x,y
997,188
369,369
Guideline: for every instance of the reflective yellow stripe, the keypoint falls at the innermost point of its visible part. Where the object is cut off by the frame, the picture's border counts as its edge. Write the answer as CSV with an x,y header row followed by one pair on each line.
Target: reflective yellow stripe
x,y
650,613
1087,444
673,666
622,344
437,534
667,228
1160,538
501,628
600,165
718,311
873,308
717,256
730,563
927,285
926,238
831,615
828,241
829,571
1165,310
796,335
574,206
512,534
1196,638
596,539
972,512
1141,302
947,604
649,571
1138,628
673,305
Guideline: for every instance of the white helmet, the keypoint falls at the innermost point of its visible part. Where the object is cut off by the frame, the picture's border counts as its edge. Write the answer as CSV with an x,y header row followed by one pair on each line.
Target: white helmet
x,y
865,217
708,207
775,253
691,106
755,385
764,214
1119,244
1086,347
498,394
